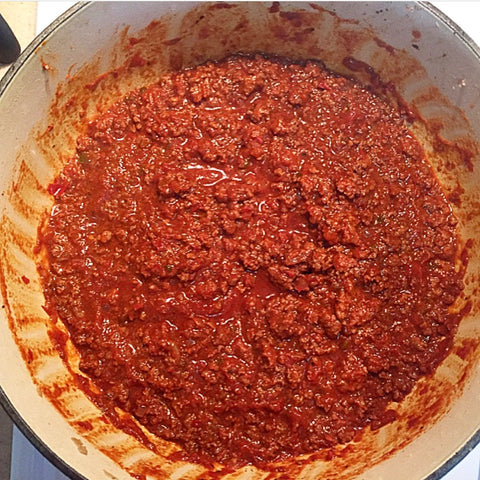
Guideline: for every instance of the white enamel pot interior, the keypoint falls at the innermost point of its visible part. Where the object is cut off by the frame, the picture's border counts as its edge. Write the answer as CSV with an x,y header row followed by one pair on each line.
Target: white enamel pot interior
x,y
44,105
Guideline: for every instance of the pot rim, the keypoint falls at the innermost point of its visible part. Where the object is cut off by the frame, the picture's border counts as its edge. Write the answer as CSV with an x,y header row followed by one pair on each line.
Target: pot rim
x,y
5,402
9,76
37,42
474,440
454,27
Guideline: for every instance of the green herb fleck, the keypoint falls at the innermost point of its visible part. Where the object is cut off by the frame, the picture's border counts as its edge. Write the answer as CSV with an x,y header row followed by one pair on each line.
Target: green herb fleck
x,y
245,164
83,159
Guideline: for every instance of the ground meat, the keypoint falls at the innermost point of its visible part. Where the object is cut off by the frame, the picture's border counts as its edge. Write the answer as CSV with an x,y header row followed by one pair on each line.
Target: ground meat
x,y
253,258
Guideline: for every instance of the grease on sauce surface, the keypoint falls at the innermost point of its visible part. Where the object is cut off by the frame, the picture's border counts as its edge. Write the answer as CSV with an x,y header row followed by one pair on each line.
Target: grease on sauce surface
x,y
253,258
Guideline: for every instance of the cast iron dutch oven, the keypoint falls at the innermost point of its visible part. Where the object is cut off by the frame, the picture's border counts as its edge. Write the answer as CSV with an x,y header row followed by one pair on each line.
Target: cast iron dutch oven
x,y
434,67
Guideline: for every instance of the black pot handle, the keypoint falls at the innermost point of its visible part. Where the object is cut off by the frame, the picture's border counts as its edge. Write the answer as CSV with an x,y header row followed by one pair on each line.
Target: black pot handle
x,y
9,46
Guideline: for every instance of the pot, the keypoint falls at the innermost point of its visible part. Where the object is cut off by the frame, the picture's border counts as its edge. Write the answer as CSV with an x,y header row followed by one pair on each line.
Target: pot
x,y
84,61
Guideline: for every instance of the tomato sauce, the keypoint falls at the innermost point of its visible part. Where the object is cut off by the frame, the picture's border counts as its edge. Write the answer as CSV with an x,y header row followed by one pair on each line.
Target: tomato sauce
x,y
253,258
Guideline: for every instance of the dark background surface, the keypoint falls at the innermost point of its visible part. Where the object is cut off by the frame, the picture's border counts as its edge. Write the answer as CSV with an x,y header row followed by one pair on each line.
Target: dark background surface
x,y
5,444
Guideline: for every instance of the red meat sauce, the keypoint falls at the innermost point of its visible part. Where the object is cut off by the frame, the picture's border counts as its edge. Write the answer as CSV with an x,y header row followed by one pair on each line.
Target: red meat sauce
x,y
253,258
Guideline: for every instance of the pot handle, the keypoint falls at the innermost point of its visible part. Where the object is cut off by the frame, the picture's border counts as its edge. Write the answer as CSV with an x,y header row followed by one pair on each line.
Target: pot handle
x,y
9,46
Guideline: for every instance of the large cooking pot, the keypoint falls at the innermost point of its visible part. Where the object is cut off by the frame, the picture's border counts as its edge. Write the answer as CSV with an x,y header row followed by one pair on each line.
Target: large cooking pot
x,y
84,61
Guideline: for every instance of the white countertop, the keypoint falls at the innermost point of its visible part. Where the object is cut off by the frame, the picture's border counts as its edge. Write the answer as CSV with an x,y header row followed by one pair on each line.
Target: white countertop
x,y
29,464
